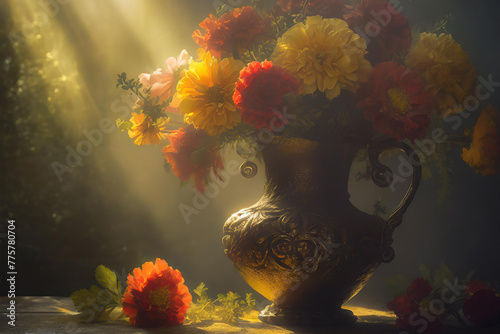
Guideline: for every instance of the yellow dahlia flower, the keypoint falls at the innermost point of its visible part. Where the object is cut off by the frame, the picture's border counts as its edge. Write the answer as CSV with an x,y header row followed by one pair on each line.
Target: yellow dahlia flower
x,y
206,94
445,68
325,55
145,131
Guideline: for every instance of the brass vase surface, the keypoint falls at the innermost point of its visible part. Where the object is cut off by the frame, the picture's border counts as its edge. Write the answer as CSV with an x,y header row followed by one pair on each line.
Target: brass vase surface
x,y
303,245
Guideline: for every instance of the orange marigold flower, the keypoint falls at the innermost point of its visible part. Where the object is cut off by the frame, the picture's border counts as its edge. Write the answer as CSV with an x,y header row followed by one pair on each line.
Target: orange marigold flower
x,y
233,31
156,296
484,152
145,131
185,162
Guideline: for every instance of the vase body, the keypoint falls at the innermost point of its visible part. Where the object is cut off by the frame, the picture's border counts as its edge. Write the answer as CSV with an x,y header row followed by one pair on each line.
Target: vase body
x,y
303,245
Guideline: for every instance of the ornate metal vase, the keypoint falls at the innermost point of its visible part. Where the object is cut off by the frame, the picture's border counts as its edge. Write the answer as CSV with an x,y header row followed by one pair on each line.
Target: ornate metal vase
x,y
303,245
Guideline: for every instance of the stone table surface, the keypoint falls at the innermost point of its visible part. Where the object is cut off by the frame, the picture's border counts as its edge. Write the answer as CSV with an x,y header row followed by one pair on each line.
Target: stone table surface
x,y
56,315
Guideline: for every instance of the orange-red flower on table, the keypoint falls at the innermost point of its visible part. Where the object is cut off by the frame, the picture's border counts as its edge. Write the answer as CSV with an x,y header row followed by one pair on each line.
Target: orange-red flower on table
x,y
145,131
156,296
483,308
259,94
484,152
384,27
325,8
396,102
180,154
234,31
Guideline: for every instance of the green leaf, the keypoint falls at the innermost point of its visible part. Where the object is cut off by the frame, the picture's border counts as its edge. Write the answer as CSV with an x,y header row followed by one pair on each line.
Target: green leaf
x,y
250,304
106,278
124,125
87,303
97,304
80,299
227,308
469,277
442,275
426,272
201,290
397,285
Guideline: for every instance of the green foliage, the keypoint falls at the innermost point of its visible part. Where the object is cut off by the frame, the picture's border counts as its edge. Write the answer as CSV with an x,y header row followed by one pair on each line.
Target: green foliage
x,y
151,107
442,275
439,277
230,308
98,303
223,9
107,279
426,272
134,85
250,304
438,158
436,27
241,133
226,308
397,285
440,25
123,125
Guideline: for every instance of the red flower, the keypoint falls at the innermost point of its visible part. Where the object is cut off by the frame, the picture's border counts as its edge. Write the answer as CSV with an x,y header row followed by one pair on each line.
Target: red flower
x,y
325,8
156,296
403,306
474,287
407,306
232,32
396,102
259,94
383,26
483,308
419,289
185,162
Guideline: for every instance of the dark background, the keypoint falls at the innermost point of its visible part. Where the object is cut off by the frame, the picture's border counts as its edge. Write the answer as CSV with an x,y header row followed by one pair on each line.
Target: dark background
x,y
120,207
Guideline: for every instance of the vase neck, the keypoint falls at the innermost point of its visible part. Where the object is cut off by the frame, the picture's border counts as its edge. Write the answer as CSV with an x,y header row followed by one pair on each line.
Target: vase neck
x,y
305,171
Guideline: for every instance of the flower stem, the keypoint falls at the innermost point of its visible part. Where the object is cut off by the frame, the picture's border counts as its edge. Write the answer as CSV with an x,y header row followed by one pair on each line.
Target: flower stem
x,y
269,9
236,53
459,318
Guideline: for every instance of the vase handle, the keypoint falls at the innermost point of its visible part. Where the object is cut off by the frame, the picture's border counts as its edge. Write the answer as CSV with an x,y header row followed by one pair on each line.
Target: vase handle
x,y
383,176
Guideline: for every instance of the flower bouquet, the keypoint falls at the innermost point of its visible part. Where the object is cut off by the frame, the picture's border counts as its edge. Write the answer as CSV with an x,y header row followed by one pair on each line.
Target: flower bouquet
x,y
318,69
304,83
